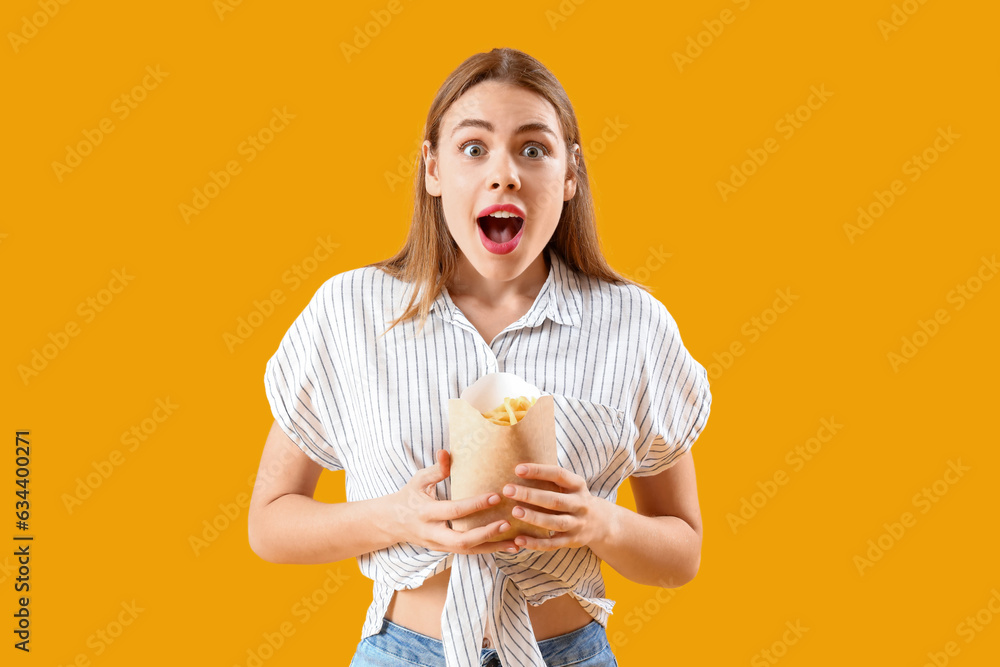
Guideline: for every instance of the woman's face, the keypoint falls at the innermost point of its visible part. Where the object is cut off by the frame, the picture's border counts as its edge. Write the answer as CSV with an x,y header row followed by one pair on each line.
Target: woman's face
x,y
500,144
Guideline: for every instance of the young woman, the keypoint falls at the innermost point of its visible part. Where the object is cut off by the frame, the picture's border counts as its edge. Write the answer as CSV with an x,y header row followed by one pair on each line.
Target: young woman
x,y
501,271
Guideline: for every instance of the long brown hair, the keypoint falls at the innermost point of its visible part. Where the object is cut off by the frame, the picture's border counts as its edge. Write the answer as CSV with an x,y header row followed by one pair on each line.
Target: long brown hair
x,y
428,258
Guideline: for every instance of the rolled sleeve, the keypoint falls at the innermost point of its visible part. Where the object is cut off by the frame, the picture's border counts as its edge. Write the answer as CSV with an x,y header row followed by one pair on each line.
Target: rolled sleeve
x,y
674,399
303,387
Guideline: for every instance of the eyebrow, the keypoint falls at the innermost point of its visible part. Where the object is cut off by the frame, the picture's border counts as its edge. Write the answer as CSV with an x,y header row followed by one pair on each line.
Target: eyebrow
x,y
488,126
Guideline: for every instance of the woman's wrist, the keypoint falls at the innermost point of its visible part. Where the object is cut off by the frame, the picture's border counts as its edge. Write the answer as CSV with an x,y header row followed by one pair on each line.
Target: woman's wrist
x,y
388,517
299,529
605,522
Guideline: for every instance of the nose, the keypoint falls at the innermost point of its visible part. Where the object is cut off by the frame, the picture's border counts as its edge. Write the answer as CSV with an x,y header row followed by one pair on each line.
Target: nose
x,y
504,174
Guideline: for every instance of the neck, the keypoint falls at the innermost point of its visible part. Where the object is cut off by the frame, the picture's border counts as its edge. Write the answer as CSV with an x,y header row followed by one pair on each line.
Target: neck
x,y
469,283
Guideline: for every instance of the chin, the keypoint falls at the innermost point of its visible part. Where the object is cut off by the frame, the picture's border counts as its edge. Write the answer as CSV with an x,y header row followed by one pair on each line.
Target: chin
x,y
499,267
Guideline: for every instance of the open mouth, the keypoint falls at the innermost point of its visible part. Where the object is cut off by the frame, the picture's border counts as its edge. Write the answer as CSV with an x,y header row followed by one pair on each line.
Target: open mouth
x,y
500,230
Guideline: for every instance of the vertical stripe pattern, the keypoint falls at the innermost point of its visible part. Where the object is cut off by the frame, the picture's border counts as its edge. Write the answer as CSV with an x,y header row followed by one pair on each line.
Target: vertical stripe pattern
x,y
629,400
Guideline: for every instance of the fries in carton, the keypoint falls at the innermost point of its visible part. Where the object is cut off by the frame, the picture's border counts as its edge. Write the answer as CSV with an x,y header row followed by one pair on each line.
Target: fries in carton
x,y
496,423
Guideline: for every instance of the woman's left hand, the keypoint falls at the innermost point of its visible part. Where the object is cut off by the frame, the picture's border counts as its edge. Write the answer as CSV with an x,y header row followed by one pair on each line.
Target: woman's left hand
x,y
581,518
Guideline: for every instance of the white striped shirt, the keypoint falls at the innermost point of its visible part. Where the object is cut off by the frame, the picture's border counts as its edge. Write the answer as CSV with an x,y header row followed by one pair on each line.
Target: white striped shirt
x,y
629,399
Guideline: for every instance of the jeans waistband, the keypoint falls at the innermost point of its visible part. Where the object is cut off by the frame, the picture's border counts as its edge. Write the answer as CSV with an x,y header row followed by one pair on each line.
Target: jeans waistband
x,y
421,649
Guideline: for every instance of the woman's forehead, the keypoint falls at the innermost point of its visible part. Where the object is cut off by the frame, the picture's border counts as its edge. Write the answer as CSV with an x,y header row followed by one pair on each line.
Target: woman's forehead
x,y
493,106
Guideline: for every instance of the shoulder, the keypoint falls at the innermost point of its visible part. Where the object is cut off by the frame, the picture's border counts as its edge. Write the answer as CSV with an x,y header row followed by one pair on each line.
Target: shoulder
x,y
364,286
636,308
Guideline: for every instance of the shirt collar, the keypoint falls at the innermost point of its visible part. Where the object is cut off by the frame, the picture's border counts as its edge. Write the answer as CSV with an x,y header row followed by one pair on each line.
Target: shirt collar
x,y
558,299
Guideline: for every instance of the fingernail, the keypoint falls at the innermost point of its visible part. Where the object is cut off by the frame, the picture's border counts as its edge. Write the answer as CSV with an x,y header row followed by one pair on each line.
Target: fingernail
x,y
504,526
494,499
513,550
508,490
518,512
520,470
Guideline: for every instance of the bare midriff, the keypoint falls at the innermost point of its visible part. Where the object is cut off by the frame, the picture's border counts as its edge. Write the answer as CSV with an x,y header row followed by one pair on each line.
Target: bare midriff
x,y
419,609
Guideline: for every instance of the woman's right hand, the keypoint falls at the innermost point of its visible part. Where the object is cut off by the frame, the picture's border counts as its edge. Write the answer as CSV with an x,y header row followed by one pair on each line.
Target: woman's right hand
x,y
419,518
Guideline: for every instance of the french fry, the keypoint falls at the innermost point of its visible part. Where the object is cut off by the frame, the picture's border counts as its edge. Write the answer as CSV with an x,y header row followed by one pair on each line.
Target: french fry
x,y
511,411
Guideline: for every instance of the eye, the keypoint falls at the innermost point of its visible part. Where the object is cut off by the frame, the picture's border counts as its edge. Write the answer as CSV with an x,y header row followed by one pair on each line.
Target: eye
x,y
472,144
538,148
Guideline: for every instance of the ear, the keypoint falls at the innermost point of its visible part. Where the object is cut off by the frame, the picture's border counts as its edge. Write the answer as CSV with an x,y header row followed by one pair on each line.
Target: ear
x,y
432,182
569,189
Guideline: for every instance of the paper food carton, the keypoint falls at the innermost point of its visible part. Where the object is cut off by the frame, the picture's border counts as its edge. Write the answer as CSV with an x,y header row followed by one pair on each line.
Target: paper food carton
x,y
484,454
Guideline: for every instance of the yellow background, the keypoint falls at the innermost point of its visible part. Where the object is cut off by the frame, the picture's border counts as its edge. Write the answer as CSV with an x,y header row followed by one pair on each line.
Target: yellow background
x,y
656,185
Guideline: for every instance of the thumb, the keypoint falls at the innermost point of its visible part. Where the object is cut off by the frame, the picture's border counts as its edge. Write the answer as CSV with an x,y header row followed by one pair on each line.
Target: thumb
x,y
443,468
435,473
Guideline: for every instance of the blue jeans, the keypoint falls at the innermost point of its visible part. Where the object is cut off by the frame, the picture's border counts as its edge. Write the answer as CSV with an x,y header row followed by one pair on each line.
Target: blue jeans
x,y
396,646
